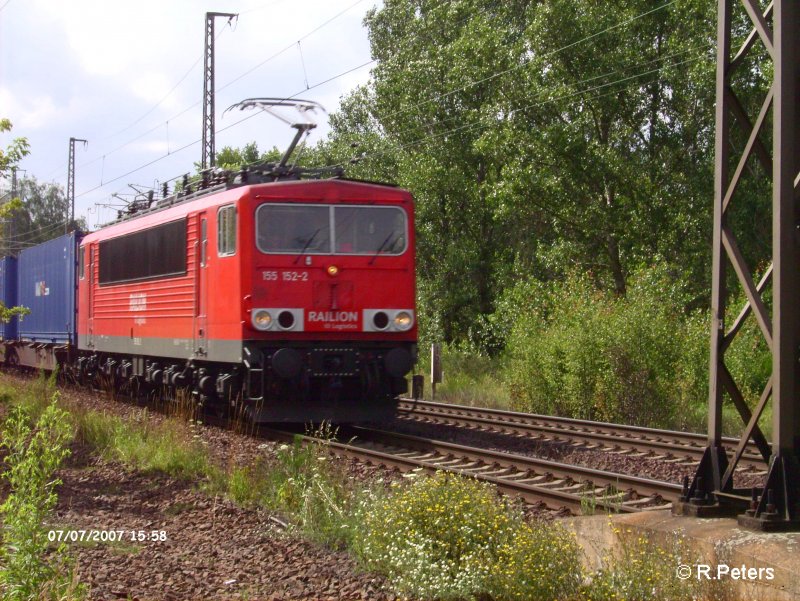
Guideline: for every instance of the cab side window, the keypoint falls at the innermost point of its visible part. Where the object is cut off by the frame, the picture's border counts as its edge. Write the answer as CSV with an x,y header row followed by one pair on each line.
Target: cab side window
x,y
226,231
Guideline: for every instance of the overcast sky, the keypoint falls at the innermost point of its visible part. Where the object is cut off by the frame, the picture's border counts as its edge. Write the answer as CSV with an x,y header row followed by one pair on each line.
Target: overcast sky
x,y
104,70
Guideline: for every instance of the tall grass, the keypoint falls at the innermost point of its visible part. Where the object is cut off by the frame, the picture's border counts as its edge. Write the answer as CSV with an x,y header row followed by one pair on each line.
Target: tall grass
x,y
169,447
641,569
469,378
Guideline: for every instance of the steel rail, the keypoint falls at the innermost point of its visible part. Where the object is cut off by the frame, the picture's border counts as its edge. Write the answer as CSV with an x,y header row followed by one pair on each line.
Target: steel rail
x,y
529,492
642,487
615,437
533,480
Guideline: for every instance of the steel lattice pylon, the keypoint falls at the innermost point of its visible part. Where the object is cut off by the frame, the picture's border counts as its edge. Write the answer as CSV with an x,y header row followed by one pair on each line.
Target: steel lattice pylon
x,y
776,506
208,154
71,182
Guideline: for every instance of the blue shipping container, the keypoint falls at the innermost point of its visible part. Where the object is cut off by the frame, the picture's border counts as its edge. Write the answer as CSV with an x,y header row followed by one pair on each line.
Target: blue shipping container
x,y
8,295
47,286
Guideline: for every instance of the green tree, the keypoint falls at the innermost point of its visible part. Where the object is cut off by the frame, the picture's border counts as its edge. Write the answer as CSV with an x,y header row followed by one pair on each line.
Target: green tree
x,y
611,130
236,158
14,153
9,159
433,85
38,216
355,134
540,138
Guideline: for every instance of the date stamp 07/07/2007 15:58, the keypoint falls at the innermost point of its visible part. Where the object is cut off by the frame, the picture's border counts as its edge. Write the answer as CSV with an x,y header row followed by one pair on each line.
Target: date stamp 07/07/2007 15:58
x,y
106,536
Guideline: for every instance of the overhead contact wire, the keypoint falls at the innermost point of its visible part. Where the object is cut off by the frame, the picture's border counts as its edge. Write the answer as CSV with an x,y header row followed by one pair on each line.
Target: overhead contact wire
x,y
572,44
224,86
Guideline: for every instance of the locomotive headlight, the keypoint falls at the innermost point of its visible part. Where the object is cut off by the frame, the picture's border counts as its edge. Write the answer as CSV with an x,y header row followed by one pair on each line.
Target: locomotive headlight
x,y
262,320
403,320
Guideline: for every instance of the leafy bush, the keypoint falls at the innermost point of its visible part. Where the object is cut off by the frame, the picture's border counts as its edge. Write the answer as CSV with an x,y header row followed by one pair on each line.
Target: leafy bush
x,y
9,313
448,537
589,354
540,561
571,349
35,451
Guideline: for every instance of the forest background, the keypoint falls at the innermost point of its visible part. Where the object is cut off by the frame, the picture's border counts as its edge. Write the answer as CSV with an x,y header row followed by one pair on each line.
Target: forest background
x,y
561,157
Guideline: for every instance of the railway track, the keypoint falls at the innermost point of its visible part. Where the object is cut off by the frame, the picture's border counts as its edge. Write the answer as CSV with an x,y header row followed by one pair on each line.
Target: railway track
x,y
535,481
665,445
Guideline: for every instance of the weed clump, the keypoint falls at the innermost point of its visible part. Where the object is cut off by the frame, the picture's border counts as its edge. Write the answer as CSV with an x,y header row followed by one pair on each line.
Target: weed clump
x,y
35,447
641,569
449,537
301,482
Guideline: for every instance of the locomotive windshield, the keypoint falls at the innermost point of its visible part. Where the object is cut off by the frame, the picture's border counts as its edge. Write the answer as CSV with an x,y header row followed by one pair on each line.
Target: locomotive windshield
x,y
326,229
293,229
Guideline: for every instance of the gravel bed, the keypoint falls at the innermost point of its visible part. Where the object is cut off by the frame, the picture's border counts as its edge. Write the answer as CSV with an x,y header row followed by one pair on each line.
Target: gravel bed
x,y
213,548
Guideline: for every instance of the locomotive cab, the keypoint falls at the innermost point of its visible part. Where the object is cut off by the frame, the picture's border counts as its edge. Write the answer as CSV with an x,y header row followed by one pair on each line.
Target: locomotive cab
x,y
329,310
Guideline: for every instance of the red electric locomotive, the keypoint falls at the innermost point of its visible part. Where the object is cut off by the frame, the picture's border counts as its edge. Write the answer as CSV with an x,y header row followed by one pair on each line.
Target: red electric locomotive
x,y
293,297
